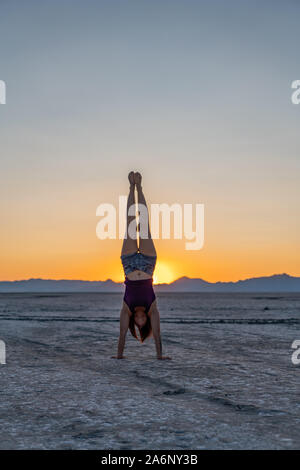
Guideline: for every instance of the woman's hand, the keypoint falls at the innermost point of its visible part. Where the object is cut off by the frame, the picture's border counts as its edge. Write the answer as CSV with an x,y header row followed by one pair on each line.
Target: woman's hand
x,y
124,324
163,358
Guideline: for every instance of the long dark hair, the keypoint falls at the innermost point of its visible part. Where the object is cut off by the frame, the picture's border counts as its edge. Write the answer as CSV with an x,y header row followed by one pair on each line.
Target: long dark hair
x,y
145,331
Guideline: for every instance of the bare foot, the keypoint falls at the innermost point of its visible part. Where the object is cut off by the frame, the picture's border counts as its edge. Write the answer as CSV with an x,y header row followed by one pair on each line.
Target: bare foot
x,y
131,178
138,179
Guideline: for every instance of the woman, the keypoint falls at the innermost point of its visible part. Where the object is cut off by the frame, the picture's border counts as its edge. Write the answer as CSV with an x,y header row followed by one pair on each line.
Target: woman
x,y
139,308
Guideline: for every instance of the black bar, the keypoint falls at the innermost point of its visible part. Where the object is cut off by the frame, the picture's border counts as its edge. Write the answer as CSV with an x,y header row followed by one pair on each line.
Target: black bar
x,y
141,458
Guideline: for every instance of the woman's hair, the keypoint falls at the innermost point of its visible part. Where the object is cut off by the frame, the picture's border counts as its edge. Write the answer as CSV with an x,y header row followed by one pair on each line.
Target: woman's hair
x,y
145,331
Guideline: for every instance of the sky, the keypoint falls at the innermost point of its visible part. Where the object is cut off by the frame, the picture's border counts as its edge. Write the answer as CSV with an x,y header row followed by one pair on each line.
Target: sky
x,y
196,95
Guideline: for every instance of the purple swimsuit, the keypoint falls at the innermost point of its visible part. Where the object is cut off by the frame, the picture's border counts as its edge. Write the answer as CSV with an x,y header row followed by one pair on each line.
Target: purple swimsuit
x,y
139,294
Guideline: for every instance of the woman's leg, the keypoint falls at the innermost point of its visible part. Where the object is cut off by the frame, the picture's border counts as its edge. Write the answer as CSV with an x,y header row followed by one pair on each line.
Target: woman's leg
x,y
146,245
130,243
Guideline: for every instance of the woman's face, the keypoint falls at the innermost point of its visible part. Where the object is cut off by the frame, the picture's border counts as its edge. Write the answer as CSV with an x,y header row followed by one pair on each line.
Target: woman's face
x,y
140,317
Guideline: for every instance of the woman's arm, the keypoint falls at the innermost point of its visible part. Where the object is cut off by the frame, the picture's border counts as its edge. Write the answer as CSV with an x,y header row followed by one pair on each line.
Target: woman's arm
x,y
124,324
155,324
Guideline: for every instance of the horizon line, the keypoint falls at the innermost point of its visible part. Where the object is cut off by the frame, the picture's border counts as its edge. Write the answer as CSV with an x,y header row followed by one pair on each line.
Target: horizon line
x,y
157,284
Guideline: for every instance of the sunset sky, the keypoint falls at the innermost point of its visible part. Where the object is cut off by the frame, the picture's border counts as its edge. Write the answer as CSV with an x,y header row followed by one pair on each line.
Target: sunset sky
x,y
196,95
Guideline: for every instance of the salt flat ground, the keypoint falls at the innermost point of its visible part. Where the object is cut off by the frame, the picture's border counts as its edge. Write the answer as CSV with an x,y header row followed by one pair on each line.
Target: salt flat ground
x,y
231,383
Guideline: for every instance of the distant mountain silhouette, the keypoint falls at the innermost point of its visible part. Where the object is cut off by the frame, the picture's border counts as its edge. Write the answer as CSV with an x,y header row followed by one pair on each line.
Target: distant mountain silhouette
x,y
275,283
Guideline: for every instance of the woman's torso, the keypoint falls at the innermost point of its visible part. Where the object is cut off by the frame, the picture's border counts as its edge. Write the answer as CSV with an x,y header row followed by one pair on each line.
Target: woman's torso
x,y
139,293
138,275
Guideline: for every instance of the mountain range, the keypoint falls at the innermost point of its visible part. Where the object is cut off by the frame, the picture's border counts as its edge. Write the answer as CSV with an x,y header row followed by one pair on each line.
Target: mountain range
x,y
275,283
